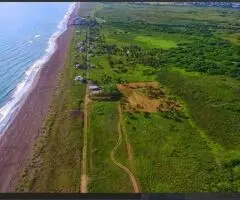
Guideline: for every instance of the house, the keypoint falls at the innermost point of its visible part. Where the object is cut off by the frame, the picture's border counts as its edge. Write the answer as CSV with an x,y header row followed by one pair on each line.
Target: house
x,y
79,78
81,49
78,66
95,88
80,21
79,44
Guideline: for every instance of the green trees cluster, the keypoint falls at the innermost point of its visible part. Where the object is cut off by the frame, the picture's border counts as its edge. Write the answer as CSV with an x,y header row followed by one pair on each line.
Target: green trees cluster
x,y
206,53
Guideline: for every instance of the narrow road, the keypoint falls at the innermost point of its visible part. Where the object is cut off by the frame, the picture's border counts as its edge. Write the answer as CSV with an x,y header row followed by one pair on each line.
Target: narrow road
x,y
124,168
84,177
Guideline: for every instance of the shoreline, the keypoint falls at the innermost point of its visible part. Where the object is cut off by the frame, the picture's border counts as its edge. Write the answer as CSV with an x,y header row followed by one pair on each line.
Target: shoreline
x,y
16,143
14,104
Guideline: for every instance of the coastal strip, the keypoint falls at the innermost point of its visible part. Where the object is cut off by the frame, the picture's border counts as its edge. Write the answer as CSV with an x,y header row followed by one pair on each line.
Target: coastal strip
x,y
17,141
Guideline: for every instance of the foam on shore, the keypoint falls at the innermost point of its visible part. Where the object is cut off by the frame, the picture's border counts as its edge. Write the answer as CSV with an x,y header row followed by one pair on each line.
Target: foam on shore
x,y
9,110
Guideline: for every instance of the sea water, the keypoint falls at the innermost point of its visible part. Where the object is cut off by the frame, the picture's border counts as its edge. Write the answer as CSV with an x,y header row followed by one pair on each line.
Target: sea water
x,y
28,33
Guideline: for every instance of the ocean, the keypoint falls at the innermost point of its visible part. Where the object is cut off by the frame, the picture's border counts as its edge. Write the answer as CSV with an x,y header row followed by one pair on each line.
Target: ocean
x,y
27,40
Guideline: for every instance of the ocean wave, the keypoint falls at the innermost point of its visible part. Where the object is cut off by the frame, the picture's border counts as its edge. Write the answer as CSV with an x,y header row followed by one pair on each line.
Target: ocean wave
x,y
14,103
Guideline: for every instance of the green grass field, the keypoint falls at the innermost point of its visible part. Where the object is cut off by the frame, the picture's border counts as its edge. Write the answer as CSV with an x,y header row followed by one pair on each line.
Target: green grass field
x,y
124,35
172,156
103,135
213,104
155,42
212,99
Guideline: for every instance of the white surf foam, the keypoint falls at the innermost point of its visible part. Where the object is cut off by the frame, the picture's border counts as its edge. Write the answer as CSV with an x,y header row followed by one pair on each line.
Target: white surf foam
x,y
14,103
36,36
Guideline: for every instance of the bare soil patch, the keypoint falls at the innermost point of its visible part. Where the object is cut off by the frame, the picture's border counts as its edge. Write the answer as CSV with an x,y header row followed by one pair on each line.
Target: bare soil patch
x,y
147,97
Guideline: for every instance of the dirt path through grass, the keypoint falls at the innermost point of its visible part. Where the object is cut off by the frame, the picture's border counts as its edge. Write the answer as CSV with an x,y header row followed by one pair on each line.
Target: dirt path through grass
x,y
112,155
129,148
84,178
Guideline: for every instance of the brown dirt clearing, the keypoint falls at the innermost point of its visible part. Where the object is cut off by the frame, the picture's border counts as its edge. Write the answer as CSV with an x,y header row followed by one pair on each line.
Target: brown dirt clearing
x,y
147,97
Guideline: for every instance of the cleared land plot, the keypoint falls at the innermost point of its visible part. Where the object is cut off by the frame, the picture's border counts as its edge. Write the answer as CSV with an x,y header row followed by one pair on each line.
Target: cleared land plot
x,y
146,97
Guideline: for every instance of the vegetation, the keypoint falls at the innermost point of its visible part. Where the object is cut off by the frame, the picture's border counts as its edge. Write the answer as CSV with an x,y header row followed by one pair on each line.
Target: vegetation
x,y
193,54
188,150
171,156
165,27
103,137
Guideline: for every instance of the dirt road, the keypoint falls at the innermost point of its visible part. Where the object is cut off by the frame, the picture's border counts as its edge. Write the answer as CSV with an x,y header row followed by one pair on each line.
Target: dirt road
x,y
129,148
84,177
124,168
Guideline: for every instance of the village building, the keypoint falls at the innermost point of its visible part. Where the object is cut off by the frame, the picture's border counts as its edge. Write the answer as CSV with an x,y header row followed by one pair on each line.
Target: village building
x,y
78,66
95,89
81,49
80,21
80,79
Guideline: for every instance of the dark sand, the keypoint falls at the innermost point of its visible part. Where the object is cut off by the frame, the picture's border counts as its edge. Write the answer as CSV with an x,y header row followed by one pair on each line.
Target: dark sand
x,y
16,143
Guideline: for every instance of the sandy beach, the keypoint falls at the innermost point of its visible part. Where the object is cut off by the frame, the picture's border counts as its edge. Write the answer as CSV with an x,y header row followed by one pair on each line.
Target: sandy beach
x,y
16,143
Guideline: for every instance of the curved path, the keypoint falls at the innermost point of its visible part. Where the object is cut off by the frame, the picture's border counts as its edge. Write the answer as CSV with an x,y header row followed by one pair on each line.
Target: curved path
x,y
112,155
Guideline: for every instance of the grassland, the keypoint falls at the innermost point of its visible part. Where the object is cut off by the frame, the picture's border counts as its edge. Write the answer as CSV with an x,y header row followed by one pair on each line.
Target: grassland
x,y
103,171
234,38
171,156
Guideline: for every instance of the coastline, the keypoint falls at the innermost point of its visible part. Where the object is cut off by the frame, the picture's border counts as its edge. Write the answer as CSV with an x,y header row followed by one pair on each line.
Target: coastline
x,y
14,103
17,141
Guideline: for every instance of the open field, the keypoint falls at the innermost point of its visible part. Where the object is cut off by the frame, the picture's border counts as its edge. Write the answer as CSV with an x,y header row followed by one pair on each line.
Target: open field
x,y
171,156
103,171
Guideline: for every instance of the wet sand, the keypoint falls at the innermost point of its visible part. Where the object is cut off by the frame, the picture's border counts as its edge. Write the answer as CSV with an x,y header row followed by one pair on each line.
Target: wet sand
x,y
17,141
